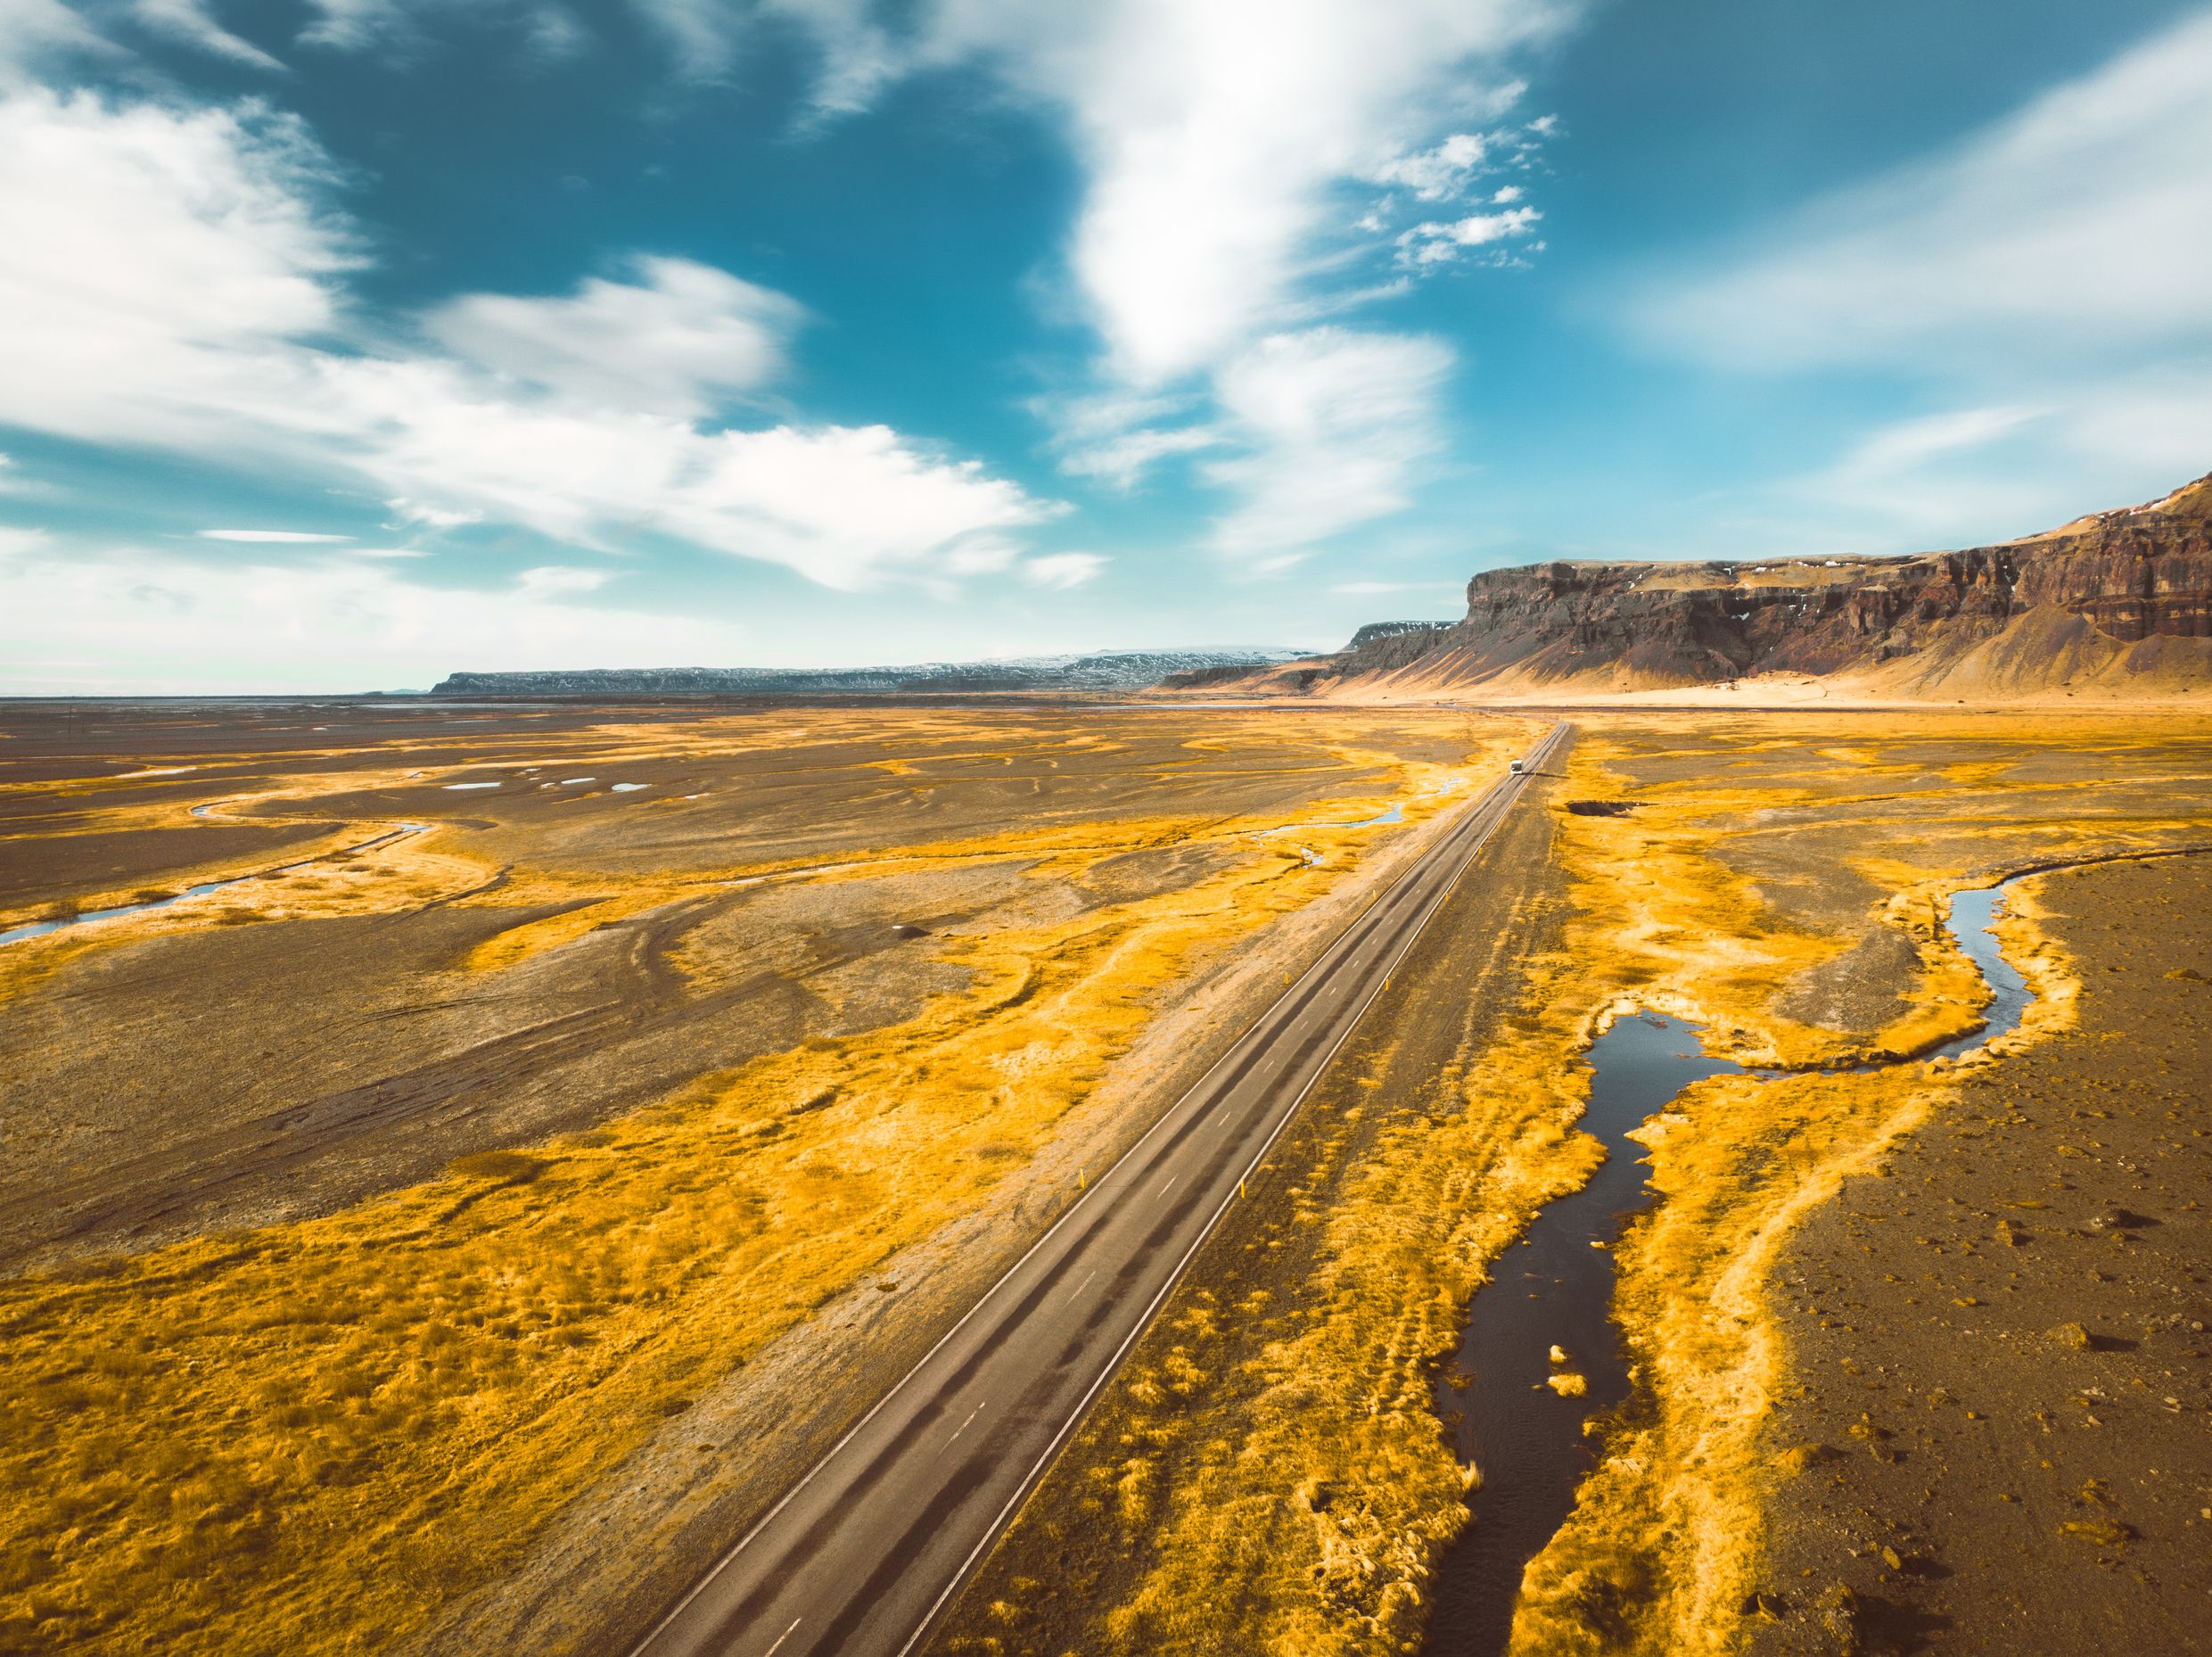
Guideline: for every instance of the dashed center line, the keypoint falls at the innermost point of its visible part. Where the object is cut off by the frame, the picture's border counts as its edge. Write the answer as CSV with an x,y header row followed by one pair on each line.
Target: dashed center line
x,y
1170,1180
963,1427
785,1635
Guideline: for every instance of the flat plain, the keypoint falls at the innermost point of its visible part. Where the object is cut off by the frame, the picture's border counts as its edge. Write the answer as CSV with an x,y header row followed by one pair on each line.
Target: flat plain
x,y
1270,1473
451,1235
555,1092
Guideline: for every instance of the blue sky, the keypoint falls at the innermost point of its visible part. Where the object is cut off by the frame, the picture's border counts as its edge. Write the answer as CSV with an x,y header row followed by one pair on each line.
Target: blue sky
x,y
345,343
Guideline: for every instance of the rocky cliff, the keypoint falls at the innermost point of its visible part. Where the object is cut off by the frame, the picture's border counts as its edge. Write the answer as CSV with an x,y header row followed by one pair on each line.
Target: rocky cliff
x,y
2118,603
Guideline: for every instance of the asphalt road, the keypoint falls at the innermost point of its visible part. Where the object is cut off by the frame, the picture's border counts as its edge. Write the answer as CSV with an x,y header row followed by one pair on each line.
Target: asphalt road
x,y
859,1557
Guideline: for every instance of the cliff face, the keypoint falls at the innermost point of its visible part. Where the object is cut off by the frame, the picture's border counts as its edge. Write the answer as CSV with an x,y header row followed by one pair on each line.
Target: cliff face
x,y
2120,601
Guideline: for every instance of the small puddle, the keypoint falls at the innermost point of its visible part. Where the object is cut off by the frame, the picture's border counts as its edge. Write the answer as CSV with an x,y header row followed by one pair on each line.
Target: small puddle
x,y
40,928
1556,1288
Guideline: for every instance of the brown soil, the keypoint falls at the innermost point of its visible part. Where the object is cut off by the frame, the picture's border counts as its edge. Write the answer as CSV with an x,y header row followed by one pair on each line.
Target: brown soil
x,y
2001,1434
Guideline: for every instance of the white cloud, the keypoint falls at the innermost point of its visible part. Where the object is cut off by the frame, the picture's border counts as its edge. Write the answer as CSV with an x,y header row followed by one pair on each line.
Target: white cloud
x,y
1063,571
678,341
1433,242
1971,475
171,279
1123,460
191,23
2078,226
2041,281
36,33
1433,175
430,516
292,537
400,28
858,55
1915,442
1336,423
1217,141
87,620
552,581
1213,136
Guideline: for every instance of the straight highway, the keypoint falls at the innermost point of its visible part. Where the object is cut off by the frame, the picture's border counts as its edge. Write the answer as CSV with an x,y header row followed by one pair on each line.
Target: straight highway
x,y
858,1558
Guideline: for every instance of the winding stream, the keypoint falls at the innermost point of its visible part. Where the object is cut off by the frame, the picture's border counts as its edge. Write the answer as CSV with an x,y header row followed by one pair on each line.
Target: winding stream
x,y
1557,1288
40,928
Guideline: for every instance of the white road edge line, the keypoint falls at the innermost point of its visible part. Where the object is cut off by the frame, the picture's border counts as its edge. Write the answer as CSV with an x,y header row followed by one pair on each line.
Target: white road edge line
x,y
1145,1321
1073,1208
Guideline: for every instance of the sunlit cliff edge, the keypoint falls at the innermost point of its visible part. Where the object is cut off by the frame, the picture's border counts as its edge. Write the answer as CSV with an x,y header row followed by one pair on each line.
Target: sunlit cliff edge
x,y
2116,605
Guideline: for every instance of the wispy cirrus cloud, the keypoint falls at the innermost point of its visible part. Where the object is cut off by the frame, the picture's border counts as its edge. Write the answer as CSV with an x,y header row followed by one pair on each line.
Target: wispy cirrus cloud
x,y
2078,226
2040,283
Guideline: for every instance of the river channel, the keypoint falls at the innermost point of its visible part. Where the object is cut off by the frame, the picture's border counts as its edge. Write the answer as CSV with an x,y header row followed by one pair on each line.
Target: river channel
x,y
1557,1289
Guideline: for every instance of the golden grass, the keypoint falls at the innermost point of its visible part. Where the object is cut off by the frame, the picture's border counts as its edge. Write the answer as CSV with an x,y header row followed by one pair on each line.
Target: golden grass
x,y
1315,1490
1663,1550
308,1437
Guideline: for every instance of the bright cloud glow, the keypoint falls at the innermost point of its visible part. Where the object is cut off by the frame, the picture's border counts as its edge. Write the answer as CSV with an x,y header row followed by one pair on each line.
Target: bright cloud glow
x,y
294,537
125,620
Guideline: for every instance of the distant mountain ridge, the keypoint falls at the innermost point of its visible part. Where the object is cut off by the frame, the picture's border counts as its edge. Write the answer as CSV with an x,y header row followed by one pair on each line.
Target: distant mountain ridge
x,y
2116,603
1111,670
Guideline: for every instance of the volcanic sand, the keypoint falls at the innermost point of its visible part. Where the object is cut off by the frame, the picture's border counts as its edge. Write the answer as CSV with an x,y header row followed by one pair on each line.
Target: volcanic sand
x,y
1997,1435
